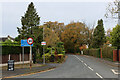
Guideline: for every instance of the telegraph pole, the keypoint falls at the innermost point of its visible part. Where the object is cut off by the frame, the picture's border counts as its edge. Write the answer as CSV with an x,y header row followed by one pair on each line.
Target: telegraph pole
x,y
43,48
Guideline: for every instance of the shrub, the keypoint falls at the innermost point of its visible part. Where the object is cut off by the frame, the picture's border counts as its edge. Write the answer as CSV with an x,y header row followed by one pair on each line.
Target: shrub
x,y
47,57
92,52
107,52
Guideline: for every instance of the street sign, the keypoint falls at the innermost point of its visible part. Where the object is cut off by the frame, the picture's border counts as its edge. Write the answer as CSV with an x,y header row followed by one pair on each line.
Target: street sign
x,y
24,43
30,41
43,43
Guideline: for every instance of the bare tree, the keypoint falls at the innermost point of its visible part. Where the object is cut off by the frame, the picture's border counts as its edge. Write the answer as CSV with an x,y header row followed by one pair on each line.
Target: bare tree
x,y
113,10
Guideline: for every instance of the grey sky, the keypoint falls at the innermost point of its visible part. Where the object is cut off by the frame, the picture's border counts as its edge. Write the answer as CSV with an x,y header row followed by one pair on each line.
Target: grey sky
x,y
65,12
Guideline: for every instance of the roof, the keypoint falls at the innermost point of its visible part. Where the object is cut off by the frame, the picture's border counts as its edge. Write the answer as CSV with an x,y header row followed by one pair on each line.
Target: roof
x,y
5,38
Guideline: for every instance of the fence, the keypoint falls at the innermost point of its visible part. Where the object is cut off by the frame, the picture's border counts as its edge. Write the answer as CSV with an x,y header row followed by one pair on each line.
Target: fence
x,y
106,53
14,53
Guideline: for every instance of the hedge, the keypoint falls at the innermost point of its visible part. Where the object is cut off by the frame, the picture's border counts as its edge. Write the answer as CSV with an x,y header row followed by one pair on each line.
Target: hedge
x,y
92,52
15,50
107,52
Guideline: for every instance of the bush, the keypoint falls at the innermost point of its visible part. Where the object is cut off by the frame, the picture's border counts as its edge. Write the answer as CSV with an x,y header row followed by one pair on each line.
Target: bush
x,y
107,52
47,57
15,50
92,52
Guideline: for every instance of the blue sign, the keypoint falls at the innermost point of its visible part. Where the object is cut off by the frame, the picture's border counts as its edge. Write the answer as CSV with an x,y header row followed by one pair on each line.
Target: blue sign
x,y
24,43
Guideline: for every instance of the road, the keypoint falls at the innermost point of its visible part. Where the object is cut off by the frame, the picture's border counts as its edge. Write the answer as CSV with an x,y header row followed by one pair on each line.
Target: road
x,y
77,66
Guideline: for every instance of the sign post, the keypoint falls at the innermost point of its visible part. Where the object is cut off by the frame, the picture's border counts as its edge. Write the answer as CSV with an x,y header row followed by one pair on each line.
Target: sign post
x,y
30,42
24,43
23,54
43,43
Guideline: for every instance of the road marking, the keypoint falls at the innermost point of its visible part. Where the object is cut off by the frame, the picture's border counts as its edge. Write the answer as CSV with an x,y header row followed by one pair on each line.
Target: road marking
x,y
90,68
29,74
99,75
85,64
114,71
78,58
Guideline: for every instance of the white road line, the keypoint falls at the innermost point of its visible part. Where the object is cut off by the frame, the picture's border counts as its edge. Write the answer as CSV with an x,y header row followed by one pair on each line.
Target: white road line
x,y
114,71
90,68
78,58
85,64
99,75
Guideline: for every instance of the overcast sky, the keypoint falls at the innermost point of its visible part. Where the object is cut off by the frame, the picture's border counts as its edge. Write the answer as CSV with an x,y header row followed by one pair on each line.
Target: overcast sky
x,y
66,12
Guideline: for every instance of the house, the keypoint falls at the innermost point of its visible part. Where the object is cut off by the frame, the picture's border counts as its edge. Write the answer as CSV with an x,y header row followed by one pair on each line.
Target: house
x,y
3,39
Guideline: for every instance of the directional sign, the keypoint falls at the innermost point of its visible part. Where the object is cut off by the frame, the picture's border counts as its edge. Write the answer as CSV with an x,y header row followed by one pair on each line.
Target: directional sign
x,y
30,41
24,43
43,43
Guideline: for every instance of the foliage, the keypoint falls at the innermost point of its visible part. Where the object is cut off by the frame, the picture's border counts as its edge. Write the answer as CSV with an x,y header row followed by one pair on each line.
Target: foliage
x,y
98,35
30,28
29,21
7,49
50,37
9,43
107,52
74,35
60,48
115,36
92,52
47,57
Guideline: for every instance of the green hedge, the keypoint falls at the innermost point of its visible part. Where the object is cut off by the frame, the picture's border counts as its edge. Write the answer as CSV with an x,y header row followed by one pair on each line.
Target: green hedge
x,y
92,52
107,52
15,50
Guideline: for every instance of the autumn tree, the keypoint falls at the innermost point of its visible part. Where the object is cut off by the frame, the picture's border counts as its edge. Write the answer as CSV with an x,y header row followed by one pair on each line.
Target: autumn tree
x,y
50,37
56,27
98,35
73,36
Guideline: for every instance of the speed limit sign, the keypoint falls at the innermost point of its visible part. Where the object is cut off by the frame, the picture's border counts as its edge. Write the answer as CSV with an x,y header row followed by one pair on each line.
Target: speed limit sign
x,y
30,41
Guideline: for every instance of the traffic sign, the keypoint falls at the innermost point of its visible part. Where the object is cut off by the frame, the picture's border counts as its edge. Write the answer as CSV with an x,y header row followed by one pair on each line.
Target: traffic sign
x,y
24,43
30,41
43,43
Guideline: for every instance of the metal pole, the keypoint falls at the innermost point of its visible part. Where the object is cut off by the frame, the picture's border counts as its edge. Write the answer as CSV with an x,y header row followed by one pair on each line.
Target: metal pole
x,y
43,48
23,54
30,56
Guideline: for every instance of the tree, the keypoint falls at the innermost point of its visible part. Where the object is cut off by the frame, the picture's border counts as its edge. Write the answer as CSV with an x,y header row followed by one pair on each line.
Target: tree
x,y
115,36
30,27
113,10
29,21
74,36
50,37
98,35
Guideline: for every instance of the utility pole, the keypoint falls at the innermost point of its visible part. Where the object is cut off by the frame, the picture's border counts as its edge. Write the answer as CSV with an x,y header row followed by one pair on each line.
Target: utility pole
x,y
43,48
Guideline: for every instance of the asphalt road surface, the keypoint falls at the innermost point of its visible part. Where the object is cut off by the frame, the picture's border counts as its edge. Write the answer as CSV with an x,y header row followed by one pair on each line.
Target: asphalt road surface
x,y
77,66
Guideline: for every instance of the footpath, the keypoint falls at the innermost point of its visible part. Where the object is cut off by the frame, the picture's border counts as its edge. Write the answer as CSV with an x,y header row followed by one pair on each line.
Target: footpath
x,y
20,70
111,63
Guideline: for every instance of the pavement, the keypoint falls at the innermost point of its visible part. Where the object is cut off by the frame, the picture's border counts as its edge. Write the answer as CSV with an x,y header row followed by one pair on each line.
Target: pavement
x,y
75,66
26,71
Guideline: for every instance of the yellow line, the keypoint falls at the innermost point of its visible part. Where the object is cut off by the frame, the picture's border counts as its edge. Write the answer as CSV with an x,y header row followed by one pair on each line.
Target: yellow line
x,y
29,73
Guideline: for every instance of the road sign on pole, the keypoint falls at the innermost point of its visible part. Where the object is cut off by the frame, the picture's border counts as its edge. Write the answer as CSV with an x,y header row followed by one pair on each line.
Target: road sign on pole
x,y
43,43
30,42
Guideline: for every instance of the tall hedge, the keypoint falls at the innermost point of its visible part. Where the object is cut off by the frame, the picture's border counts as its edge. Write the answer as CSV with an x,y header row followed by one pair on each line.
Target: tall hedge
x,y
92,52
15,50
107,52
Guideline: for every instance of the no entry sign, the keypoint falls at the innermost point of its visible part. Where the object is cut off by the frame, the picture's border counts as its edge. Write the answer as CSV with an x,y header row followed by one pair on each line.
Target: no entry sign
x,y
30,41
43,43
